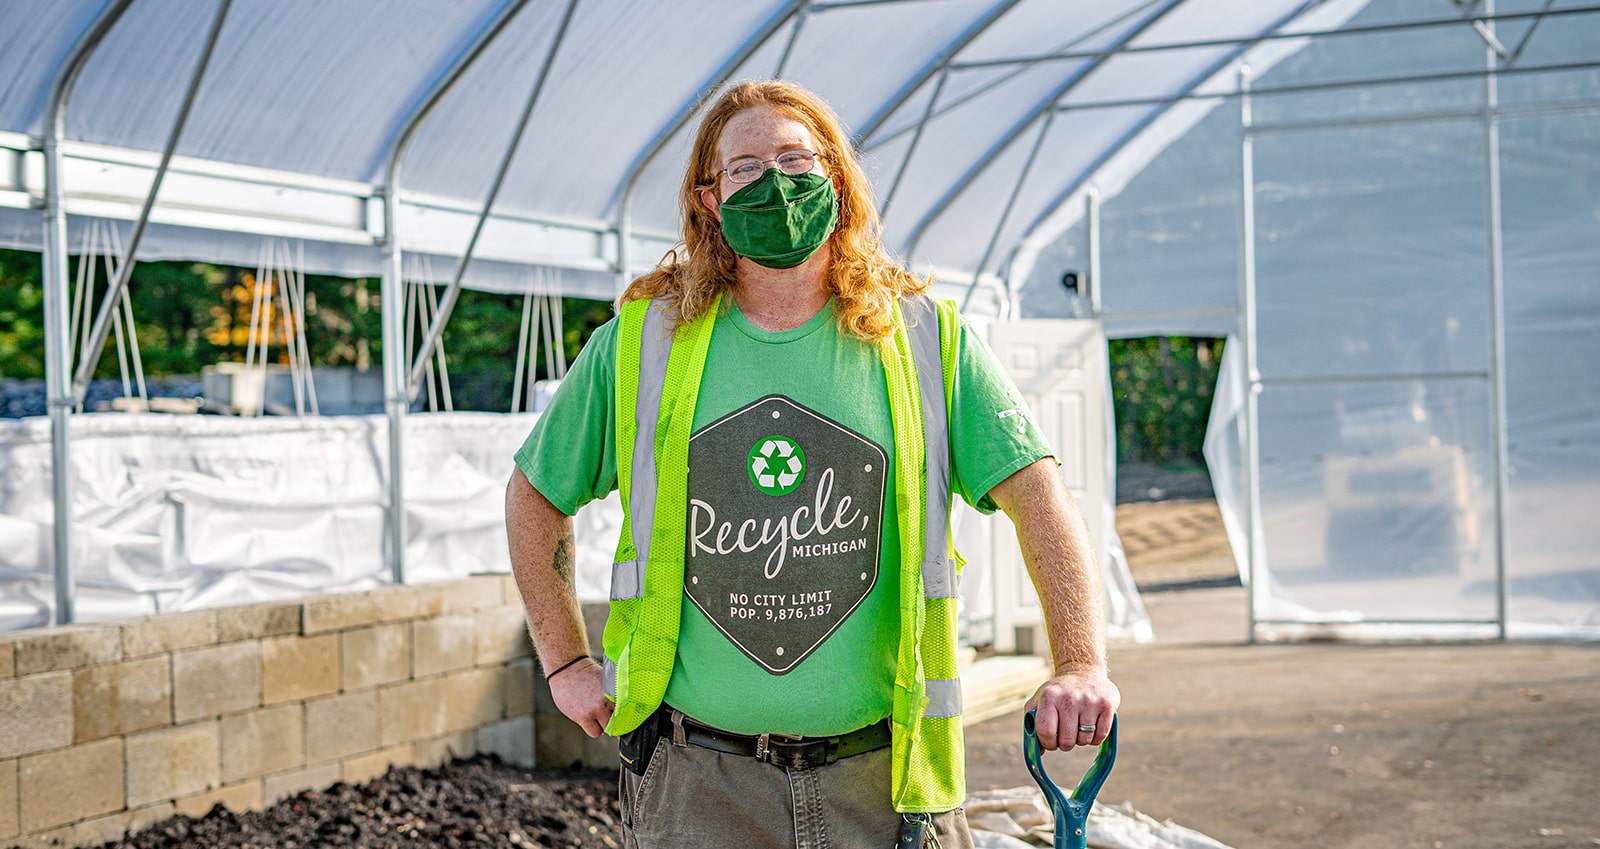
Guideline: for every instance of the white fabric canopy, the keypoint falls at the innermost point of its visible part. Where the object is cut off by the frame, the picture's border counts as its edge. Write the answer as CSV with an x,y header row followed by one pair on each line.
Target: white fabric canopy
x,y
293,121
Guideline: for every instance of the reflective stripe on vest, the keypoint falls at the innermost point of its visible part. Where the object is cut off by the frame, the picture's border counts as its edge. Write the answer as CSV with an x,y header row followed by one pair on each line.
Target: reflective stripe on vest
x,y
627,577
938,567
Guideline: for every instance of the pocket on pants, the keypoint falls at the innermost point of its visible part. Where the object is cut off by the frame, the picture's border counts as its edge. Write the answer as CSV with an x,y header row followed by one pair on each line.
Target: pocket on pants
x,y
633,789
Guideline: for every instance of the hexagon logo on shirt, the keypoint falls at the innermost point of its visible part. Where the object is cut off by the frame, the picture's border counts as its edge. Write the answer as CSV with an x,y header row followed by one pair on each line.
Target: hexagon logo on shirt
x,y
785,517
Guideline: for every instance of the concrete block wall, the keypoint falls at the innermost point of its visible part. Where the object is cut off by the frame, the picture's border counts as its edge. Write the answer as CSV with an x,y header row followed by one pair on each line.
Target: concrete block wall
x,y
108,727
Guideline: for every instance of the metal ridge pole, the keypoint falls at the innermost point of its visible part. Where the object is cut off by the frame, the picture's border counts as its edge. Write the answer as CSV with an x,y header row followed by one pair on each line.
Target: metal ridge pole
x,y
396,398
686,113
1041,108
102,321
57,334
448,302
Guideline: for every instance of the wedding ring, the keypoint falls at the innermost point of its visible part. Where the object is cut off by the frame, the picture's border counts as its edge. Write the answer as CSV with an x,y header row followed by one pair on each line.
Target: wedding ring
x,y
1086,729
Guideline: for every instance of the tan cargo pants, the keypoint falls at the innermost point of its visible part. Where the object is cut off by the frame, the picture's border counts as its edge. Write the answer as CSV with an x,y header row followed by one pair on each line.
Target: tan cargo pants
x,y
694,798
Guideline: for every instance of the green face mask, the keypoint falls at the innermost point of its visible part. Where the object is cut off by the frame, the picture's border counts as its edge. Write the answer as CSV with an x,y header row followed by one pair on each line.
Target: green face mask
x,y
780,220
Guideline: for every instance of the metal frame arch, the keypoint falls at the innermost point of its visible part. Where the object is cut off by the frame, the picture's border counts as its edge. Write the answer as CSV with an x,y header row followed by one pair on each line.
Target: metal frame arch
x,y
448,301
58,368
103,316
1134,132
1047,104
396,397
624,227
939,64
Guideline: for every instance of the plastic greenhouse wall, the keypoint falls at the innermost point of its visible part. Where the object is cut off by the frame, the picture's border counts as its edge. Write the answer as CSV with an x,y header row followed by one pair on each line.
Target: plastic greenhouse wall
x,y
1383,216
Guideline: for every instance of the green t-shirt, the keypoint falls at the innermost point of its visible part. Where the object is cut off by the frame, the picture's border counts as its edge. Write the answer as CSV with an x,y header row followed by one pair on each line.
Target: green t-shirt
x,y
791,577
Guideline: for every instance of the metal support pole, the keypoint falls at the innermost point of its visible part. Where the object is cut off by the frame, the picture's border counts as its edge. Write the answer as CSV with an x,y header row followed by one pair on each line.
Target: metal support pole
x,y
396,395
448,302
1091,283
90,355
1249,430
57,333
1005,214
663,138
1497,327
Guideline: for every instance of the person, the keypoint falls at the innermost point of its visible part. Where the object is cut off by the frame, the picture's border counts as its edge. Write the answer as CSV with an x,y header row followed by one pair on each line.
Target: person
x,y
787,414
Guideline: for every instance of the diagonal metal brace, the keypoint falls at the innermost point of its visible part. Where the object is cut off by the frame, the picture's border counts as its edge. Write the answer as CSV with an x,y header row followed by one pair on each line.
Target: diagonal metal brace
x,y
448,302
107,310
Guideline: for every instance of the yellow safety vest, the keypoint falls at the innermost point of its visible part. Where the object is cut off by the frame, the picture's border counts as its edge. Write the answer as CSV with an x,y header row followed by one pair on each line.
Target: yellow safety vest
x,y
658,381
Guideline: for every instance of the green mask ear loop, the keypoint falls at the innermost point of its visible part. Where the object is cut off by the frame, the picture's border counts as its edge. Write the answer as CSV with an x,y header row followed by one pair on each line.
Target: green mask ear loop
x,y
1071,812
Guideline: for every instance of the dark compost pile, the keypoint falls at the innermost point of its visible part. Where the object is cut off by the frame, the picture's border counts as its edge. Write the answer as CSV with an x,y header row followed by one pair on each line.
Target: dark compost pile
x,y
468,803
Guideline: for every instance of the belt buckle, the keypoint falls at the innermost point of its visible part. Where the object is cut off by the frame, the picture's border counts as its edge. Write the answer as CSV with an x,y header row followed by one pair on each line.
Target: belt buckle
x,y
765,749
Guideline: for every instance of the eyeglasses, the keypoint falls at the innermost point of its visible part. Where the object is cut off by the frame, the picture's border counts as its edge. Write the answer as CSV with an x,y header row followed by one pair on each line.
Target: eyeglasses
x,y
746,169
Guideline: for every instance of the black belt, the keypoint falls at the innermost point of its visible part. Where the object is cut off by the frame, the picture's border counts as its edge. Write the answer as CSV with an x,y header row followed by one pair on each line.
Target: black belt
x,y
776,749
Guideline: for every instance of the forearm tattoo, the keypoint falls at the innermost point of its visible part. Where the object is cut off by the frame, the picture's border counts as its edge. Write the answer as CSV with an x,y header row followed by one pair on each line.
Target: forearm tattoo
x,y
566,551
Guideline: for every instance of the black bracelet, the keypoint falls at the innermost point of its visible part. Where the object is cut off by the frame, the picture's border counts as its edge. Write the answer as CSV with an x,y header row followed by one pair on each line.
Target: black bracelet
x,y
565,666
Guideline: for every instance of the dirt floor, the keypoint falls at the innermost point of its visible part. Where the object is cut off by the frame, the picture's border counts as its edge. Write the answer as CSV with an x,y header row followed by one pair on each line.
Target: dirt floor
x,y
1261,746
1327,745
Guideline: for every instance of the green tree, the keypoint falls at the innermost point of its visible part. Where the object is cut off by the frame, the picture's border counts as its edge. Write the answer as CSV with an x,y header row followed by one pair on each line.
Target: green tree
x,y
1162,389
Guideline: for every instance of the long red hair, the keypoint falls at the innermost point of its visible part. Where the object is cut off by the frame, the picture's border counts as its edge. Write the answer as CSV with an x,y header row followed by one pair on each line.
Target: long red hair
x,y
864,281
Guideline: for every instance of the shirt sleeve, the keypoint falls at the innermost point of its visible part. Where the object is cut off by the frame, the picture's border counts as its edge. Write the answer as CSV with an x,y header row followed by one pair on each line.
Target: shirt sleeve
x,y
570,455
992,431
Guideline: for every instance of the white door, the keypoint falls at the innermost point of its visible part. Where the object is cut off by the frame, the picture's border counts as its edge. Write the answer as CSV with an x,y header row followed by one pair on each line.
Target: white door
x,y
1061,368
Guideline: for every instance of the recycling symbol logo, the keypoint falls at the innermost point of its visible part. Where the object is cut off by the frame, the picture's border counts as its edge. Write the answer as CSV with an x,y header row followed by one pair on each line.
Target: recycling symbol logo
x,y
776,465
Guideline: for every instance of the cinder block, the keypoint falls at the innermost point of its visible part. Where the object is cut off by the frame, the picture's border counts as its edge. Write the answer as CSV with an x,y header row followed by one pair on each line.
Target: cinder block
x,y
172,763
241,797
377,655
340,726
8,799
411,711
66,647
169,632
509,590
299,668
363,768
261,742
442,750
342,611
512,741
8,659
594,625
258,621
68,785
502,635
519,687
473,593
99,830
474,697
217,680
276,788
122,698
559,744
35,713
443,643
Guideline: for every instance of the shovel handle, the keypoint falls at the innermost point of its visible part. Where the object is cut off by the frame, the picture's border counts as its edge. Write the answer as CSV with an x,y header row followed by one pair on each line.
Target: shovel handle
x,y
1071,811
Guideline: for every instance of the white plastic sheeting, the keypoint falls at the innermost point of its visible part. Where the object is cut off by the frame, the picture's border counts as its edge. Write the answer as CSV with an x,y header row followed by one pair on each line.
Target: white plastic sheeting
x,y
1383,217
303,98
185,512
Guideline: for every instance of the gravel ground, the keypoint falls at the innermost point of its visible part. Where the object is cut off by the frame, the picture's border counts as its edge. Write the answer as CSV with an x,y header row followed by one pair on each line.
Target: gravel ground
x,y
468,803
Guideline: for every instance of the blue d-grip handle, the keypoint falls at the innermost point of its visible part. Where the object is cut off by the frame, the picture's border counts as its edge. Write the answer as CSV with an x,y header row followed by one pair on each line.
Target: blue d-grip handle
x,y
1071,812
